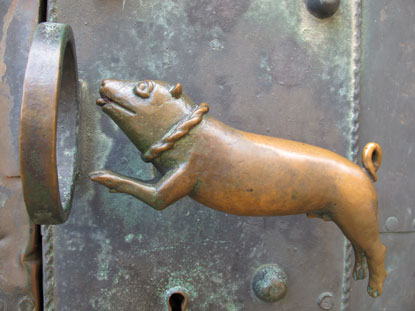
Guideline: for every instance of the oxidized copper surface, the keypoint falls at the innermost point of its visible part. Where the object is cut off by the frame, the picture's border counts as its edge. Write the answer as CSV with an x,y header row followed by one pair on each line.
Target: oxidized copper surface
x,y
242,173
49,97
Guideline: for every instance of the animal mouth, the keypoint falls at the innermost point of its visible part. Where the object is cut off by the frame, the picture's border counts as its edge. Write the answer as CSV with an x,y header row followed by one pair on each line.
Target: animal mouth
x,y
104,100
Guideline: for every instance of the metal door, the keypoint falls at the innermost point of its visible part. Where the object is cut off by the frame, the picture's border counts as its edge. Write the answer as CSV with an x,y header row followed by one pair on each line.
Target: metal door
x,y
265,66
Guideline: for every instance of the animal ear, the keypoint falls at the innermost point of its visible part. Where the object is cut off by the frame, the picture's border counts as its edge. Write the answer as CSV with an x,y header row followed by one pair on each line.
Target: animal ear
x,y
176,91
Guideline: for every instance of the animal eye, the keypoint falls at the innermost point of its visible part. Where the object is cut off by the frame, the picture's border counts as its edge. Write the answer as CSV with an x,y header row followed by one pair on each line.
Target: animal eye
x,y
144,88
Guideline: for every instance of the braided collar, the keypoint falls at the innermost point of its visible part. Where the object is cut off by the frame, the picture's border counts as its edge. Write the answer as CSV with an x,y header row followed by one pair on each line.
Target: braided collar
x,y
179,130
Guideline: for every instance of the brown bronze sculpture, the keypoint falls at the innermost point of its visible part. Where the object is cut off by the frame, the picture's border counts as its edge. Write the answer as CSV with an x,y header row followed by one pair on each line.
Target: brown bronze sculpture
x,y
242,173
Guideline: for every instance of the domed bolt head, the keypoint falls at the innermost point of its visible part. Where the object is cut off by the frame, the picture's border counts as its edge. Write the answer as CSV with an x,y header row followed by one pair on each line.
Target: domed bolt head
x,y
322,8
270,283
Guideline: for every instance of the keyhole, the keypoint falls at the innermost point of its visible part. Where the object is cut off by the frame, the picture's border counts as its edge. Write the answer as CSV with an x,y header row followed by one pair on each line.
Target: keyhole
x,y
177,301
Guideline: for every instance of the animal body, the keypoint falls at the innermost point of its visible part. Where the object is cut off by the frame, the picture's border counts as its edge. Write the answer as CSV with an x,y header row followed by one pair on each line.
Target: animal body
x,y
242,173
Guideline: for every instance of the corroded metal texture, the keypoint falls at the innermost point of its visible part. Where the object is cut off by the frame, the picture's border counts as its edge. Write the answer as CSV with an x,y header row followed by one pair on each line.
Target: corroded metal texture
x,y
270,283
250,60
177,299
19,238
48,124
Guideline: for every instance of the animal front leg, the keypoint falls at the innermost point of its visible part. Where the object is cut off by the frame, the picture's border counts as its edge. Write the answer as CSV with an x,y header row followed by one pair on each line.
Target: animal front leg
x,y
170,188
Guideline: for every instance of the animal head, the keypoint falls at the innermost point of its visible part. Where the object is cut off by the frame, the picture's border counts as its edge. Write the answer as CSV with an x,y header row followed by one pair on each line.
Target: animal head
x,y
145,110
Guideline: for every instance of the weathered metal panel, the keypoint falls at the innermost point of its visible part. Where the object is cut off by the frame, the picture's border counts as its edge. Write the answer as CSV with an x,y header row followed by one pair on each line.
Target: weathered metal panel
x,y
19,238
263,66
387,113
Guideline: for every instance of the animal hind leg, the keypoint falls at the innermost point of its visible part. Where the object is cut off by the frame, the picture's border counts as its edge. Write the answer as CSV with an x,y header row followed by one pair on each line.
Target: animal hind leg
x,y
360,263
377,273
360,226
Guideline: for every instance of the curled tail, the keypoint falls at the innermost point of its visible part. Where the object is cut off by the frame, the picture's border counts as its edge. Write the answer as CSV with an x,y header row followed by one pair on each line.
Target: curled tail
x,y
372,158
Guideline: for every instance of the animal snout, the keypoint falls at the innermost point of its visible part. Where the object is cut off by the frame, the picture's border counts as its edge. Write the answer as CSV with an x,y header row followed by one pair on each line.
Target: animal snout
x,y
105,92
107,87
105,81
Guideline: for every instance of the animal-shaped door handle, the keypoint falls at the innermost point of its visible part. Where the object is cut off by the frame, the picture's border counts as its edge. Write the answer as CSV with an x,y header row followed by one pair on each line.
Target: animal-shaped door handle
x,y
242,173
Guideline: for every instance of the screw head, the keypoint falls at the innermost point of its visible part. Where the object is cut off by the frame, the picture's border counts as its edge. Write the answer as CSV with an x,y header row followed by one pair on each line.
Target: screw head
x,y
326,301
392,223
322,8
270,283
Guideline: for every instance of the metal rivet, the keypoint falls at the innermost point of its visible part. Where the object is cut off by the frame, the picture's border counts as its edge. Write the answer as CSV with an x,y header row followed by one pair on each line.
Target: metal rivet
x,y
392,223
26,304
322,8
326,301
270,283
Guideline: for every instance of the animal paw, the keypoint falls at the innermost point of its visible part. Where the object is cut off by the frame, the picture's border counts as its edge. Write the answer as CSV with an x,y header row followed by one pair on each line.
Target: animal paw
x,y
106,178
374,291
359,273
376,281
